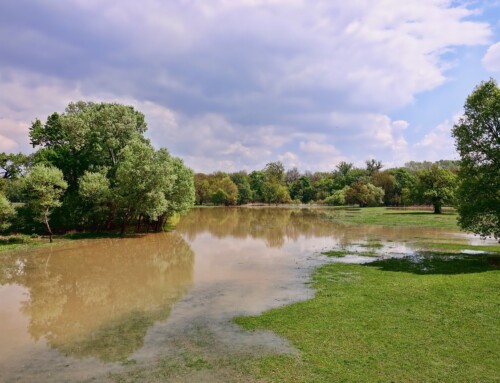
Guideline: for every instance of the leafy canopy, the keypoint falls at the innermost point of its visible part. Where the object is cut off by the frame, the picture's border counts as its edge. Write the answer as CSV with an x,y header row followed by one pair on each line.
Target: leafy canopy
x,y
477,139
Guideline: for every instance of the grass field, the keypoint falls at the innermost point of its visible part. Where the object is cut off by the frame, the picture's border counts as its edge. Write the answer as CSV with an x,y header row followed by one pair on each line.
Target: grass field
x,y
392,217
435,318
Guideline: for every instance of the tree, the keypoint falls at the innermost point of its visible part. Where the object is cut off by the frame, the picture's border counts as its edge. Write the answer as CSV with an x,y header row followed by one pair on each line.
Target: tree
x,y
180,197
302,190
13,165
364,194
94,189
7,212
373,166
343,168
388,183
256,179
435,186
405,183
202,188
275,172
220,197
241,180
273,189
477,136
144,179
86,136
43,186
337,198
292,175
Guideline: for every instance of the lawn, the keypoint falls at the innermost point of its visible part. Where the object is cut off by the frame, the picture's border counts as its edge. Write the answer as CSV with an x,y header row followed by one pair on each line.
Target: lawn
x,y
392,217
433,318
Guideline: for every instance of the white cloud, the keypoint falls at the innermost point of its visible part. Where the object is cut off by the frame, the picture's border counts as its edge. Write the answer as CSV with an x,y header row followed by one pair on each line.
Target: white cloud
x,y
491,60
6,144
436,145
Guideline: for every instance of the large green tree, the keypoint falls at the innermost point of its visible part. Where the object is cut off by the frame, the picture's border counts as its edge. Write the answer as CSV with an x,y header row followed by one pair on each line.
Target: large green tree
x,y
477,136
115,177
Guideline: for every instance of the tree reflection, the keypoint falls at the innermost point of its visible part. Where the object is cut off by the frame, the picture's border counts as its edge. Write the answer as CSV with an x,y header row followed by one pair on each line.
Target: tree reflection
x,y
276,225
99,297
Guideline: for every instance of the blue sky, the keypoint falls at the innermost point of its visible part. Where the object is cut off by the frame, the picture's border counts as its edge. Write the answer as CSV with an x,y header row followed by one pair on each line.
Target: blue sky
x,y
230,85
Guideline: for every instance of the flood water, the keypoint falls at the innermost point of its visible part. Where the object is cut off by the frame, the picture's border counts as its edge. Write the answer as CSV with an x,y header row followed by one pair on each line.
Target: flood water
x,y
89,308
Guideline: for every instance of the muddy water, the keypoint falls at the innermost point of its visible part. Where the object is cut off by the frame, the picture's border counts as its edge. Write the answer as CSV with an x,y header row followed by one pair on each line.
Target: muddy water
x,y
88,308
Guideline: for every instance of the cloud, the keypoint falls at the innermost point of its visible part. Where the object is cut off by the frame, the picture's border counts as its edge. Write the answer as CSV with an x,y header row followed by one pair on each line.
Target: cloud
x,y
491,60
6,144
438,144
236,84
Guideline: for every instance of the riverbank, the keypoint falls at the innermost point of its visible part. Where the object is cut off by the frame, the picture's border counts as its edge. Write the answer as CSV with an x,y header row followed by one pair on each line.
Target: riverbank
x,y
430,317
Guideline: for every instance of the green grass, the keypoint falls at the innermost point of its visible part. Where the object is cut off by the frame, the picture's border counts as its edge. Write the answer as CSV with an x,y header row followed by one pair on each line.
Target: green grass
x,y
20,242
389,217
335,253
433,318
459,247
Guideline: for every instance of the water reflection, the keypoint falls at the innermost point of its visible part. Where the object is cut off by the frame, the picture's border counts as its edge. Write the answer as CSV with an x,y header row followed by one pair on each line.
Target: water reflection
x,y
277,225
98,298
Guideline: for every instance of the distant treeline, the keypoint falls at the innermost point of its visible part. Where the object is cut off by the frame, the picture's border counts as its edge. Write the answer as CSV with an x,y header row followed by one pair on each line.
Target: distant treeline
x,y
93,170
415,183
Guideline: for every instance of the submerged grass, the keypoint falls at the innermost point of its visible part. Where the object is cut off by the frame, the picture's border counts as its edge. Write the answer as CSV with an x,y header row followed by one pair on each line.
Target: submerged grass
x,y
430,318
391,217
335,253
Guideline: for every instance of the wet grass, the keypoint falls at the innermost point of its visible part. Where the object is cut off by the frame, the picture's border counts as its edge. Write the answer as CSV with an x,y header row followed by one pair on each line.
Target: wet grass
x,y
459,247
335,253
429,318
21,242
402,218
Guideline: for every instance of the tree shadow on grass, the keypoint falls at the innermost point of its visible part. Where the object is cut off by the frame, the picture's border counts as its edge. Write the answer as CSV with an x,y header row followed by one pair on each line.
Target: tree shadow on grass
x,y
428,263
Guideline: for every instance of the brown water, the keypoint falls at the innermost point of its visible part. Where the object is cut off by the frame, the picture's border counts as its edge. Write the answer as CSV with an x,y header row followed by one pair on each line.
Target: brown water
x,y
87,308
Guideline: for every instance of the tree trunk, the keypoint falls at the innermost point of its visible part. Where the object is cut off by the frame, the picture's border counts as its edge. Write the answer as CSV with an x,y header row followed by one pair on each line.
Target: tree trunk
x,y
437,208
46,220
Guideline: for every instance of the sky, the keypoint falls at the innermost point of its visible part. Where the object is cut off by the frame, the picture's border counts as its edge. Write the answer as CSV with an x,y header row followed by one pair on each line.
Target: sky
x,y
235,84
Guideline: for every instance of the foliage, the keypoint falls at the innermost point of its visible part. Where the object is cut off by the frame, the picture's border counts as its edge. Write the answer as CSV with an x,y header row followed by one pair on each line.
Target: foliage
x,y
113,177
13,165
364,194
242,182
94,189
7,212
302,189
202,188
373,166
275,172
256,179
388,183
219,197
436,186
415,166
405,183
87,136
477,136
273,188
43,187
337,198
